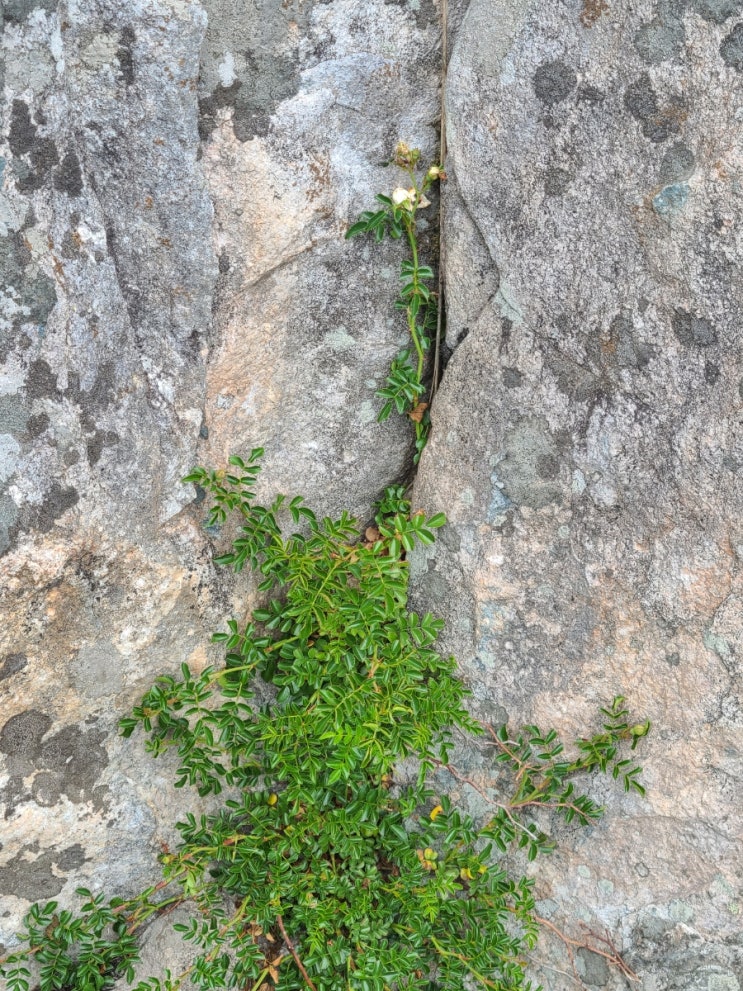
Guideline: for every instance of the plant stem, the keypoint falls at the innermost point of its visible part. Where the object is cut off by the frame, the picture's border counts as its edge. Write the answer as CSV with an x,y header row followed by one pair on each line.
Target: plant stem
x,y
292,950
410,228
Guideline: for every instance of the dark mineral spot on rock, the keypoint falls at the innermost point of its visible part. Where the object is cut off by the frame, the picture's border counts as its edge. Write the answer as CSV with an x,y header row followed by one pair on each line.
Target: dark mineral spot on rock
x,y
250,121
43,158
24,140
13,415
711,373
671,199
658,123
12,664
224,263
548,466
96,443
660,40
640,98
678,164
94,447
591,94
56,502
68,762
222,97
125,54
8,519
13,259
41,382
425,12
21,735
78,757
39,294
557,181
553,82
32,877
512,378
37,424
692,330
68,177
45,789
731,48
592,968
717,11
22,133
71,858
623,347
531,464
96,399
16,11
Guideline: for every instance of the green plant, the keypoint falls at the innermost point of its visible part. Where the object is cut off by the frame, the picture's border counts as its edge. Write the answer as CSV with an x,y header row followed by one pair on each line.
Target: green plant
x,y
405,386
321,870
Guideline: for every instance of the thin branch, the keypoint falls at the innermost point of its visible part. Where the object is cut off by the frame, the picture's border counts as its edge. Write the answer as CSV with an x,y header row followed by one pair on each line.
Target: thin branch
x,y
612,955
292,950
491,801
523,765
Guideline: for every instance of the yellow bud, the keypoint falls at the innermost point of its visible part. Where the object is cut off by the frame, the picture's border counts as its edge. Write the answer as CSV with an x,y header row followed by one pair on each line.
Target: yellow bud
x,y
273,798
436,812
466,874
430,854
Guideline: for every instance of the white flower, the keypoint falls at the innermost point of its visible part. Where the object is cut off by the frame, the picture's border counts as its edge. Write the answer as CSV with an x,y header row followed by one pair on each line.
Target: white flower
x,y
403,197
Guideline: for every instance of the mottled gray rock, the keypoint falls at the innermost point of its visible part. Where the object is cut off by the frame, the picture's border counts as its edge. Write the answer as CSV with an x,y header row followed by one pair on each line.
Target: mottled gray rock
x,y
162,949
305,326
587,442
177,178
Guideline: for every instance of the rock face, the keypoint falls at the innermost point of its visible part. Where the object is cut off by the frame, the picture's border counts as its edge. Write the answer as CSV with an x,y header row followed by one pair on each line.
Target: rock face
x,y
178,177
177,180
587,442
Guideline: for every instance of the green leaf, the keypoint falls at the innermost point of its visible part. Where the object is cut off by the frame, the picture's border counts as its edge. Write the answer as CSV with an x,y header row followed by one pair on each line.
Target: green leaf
x,y
436,521
360,227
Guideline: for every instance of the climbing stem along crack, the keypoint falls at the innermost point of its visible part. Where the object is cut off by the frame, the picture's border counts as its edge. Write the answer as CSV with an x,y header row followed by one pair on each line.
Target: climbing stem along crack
x,y
405,387
321,865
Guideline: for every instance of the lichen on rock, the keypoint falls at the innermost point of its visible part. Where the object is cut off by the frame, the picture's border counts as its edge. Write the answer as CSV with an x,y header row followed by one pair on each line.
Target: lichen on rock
x,y
587,443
